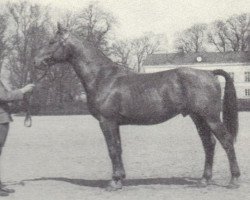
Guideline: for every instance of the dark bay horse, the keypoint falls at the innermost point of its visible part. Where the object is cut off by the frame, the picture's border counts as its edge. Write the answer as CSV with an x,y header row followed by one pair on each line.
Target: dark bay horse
x,y
118,97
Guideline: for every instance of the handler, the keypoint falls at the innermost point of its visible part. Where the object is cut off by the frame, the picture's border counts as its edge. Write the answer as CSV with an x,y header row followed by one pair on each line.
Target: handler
x,y
5,117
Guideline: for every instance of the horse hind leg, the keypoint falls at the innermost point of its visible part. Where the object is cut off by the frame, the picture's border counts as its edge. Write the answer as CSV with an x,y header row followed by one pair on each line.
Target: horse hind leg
x,y
227,142
208,142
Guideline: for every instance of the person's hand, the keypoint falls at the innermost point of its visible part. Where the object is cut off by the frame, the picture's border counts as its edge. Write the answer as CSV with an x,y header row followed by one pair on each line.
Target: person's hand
x,y
27,88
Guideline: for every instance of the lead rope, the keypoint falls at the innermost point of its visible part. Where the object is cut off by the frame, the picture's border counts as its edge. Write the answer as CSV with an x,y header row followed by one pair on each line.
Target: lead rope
x,y
28,119
26,103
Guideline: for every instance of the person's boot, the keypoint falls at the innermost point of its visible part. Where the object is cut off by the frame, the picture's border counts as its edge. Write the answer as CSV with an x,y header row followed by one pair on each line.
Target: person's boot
x,y
7,190
3,189
3,193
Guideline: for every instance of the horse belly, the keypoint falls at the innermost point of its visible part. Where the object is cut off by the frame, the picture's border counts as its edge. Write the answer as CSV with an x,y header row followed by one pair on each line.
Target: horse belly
x,y
144,111
149,120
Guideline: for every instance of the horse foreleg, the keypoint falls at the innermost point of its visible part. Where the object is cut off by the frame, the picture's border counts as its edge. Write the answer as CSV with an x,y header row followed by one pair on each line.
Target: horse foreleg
x,y
208,142
111,133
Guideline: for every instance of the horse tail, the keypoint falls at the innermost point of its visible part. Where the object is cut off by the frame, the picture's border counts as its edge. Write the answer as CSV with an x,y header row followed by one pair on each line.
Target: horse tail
x,y
230,105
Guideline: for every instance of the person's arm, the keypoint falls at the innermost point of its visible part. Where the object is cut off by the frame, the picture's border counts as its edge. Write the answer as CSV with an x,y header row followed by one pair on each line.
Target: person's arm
x,y
7,96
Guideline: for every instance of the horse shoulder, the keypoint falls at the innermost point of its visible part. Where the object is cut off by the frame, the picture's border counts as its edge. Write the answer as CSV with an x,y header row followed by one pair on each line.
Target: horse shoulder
x,y
107,100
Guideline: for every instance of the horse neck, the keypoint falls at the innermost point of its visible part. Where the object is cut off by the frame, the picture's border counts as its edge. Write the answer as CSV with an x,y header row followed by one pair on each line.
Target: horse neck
x,y
92,67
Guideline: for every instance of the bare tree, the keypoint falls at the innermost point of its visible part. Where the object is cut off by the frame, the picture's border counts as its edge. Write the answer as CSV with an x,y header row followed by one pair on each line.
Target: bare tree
x,y
236,31
143,46
217,35
70,21
121,52
95,25
248,37
3,40
192,39
29,23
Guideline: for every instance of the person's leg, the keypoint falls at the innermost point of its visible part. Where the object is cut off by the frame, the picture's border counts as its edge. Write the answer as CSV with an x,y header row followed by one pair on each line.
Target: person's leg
x,y
4,129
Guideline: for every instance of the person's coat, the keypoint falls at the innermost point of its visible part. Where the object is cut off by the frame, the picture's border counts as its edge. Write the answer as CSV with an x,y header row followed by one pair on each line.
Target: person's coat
x,y
6,97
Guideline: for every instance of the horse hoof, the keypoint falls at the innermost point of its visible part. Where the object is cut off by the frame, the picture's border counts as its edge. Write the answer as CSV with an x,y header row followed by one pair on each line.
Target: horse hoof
x,y
114,186
203,183
234,184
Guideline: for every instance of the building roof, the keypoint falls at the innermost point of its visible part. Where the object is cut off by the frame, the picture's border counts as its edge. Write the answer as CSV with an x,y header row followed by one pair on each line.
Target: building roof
x,y
201,57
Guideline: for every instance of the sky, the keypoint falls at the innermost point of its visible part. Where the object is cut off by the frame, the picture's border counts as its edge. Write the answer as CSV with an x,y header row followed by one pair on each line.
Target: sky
x,y
167,17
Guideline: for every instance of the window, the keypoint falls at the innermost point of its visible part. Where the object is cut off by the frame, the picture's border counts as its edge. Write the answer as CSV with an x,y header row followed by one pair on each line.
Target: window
x,y
247,76
232,75
247,92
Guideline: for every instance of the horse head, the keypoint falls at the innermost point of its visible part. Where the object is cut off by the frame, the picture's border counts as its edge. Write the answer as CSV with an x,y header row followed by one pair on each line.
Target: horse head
x,y
58,49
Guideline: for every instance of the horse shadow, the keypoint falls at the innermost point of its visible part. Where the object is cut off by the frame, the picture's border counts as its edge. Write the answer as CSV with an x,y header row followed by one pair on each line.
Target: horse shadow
x,y
185,181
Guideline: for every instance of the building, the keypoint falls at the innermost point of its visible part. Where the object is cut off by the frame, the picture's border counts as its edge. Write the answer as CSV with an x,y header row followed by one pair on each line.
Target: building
x,y
237,64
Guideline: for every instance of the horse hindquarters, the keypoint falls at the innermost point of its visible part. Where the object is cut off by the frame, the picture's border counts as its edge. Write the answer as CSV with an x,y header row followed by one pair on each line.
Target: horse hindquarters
x,y
203,94
226,131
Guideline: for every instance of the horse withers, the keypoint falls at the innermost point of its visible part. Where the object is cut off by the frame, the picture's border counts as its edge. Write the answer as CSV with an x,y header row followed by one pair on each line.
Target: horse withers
x,y
120,97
